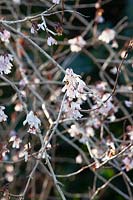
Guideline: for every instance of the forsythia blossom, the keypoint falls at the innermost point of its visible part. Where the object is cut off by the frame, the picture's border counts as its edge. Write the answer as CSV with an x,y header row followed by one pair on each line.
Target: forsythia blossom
x,y
5,63
33,121
74,88
3,116
77,43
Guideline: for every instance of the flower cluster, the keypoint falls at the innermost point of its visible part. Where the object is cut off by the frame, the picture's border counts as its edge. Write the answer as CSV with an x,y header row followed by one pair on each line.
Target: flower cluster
x,y
5,63
3,116
33,121
74,88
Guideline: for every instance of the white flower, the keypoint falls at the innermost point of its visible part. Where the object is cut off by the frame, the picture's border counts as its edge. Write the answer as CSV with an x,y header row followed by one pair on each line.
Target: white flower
x,y
114,44
131,134
3,116
79,159
89,131
51,41
16,141
5,63
77,43
4,36
32,30
17,2
24,153
128,103
128,163
74,86
41,26
33,121
72,109
107,35
113,70
56,1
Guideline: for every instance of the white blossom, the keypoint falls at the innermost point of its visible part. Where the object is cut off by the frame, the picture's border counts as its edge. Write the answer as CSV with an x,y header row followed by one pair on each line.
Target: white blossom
x,y
5,63
5,36
56,1
16,141
51,41
131,134
24,152
17,2
74,86
41,26
72,109
3,116
128,162
77,43
79,159
107,35
128,103
33,121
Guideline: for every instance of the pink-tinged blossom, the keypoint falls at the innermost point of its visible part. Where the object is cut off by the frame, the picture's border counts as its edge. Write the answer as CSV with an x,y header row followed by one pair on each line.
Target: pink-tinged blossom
x,y
72,109
79,159
77,43
51,41
107,35
128,162
5,63
4,151
82,134
74,86
5,36
3,116
56,1
33,121
16,141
